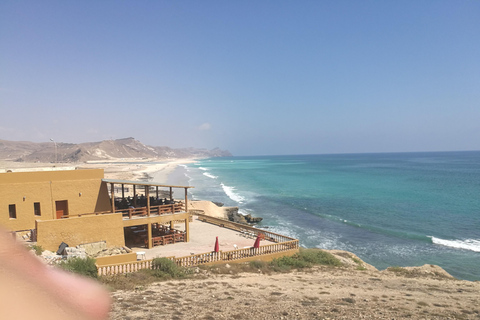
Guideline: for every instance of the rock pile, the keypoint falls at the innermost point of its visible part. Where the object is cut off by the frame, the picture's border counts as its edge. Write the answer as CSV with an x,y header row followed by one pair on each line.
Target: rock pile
x,y
71,252
111,252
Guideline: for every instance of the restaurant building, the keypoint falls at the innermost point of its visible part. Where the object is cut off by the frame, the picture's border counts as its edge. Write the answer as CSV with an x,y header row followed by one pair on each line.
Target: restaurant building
x,y
81,206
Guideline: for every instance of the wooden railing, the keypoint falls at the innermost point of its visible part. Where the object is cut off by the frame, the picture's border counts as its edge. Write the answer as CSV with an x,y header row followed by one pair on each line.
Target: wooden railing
x,y
246,230
85,214
202,258
121,268
176,236
198,259
138,212
154,210
262,250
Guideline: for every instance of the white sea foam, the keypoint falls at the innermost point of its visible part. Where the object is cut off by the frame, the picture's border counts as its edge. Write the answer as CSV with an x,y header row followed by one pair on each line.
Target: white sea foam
x,y
202,168
209,175
468,244
184,166
231,194
189,178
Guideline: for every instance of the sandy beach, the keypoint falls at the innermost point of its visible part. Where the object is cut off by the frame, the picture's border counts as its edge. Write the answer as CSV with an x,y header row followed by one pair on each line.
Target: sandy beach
x,y
151,170
133,169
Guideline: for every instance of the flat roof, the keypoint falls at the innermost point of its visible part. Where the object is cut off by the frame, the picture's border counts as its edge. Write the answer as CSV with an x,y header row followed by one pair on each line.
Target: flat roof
x,y
142,183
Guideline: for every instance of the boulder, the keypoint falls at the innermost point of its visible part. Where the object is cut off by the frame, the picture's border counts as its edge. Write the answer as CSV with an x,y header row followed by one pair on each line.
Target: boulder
x,y
233,215
251,219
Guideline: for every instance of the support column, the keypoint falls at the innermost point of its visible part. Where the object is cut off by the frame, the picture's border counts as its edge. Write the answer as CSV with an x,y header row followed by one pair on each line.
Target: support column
x,y
147,194
172,225
186,200
149,232
171,193
157,192
113,197
123,191
187,231
134,196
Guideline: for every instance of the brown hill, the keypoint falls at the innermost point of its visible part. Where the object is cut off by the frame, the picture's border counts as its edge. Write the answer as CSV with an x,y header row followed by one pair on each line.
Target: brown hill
x,y
127,148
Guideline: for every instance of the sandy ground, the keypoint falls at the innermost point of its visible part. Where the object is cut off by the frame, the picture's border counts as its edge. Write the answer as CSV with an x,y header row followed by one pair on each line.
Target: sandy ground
x,y
208,206
141,170
134,169
319,293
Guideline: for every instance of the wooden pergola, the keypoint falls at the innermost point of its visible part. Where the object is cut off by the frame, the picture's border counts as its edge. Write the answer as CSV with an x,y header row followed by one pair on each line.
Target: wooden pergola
x,y
146,186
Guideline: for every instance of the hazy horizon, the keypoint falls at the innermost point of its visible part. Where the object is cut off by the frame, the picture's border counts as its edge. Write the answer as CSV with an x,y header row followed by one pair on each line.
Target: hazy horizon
x,y
254,78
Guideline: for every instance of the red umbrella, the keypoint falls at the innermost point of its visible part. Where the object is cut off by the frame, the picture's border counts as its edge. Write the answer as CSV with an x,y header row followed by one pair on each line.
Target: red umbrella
x,y
257,242
217,247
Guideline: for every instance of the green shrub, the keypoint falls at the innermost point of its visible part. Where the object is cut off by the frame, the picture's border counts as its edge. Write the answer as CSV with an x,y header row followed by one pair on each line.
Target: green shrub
x,y
165,268
286,263
317,256
38,249
306,258
81,266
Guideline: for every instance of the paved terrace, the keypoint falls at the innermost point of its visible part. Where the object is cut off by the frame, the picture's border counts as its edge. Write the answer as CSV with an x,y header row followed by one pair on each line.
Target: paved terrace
x,y
202,240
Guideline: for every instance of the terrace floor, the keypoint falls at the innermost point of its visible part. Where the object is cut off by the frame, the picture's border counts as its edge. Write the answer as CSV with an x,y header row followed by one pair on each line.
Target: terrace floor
x,y
202,240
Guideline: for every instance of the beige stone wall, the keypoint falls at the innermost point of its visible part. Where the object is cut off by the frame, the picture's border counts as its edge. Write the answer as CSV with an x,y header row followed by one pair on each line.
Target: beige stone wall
x,y
119,258
83,189
78,230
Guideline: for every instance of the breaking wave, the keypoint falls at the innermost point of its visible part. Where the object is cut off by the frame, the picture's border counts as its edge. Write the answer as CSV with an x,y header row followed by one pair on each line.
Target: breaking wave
x,y
229,191
209,175
468,244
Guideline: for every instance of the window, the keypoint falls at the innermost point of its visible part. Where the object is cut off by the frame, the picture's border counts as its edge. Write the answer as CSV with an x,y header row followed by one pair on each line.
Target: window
x,y
12,211
36,208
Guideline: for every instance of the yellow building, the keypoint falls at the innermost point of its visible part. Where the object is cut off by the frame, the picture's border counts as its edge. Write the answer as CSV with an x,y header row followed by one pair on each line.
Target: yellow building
x,y
79,206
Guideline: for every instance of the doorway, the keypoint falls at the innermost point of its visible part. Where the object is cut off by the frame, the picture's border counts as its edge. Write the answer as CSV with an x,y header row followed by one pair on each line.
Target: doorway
x,y
61,208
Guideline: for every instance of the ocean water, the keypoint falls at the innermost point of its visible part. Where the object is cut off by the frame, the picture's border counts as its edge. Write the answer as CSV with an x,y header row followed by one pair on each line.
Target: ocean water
x,y
398,209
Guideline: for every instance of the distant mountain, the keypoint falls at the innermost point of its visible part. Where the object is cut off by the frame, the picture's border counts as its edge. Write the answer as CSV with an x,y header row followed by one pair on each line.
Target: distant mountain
x,y
127,148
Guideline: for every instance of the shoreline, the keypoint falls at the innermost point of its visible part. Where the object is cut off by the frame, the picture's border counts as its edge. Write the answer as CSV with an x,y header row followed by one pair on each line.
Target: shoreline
x,y
144,170
350,292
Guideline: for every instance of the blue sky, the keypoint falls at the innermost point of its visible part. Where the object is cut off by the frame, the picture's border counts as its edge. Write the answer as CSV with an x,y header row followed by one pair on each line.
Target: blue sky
x,y
253,77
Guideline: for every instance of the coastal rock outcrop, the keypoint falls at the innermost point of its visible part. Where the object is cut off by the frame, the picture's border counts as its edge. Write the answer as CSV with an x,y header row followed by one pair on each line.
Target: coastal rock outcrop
x,y
235,216
251,219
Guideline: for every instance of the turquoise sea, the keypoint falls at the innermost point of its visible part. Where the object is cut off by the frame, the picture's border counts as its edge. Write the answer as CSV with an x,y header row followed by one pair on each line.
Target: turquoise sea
x,y
397,209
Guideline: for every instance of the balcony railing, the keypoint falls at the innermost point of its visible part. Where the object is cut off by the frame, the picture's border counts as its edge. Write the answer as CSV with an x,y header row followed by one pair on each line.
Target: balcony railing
x,y
154,210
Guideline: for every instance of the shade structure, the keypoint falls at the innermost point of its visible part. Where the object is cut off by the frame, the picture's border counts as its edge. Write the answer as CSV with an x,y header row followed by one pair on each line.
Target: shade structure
x,y
217,247
257,242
